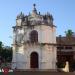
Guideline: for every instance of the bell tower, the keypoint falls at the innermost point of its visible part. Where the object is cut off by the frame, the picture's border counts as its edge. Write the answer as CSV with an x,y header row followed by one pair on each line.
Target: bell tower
x,y
35,39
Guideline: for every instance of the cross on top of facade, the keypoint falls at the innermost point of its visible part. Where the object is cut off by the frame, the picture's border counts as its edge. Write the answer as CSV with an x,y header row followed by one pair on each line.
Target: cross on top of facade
x,y
34,5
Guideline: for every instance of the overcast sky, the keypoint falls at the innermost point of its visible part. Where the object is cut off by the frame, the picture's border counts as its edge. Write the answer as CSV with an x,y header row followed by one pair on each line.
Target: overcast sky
x,y
63,12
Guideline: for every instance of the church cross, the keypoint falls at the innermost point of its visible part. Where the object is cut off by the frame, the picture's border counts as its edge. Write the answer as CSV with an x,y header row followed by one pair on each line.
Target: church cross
x,y
34,5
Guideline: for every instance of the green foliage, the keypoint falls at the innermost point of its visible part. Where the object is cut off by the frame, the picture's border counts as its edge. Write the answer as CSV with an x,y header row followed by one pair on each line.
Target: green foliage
x,y
0,44
5,53
73,65
0,47
60,64
69,33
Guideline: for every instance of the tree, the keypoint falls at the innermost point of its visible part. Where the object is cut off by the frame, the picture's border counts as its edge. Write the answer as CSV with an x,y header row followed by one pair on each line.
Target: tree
x,y
69,33
0,46
5,53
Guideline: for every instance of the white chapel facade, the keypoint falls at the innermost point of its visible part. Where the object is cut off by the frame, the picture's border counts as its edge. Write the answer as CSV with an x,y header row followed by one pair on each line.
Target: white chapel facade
x,y
34,40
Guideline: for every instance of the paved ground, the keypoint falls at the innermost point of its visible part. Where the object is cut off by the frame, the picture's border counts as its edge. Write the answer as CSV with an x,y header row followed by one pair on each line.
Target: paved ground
x,y
42,73
38,73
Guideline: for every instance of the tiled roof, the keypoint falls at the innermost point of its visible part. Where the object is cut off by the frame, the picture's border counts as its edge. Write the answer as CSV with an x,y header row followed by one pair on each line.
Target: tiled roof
x,y
65,40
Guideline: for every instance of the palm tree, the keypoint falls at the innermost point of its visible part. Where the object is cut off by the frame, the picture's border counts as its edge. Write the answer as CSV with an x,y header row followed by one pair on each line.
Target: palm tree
x,y
69,33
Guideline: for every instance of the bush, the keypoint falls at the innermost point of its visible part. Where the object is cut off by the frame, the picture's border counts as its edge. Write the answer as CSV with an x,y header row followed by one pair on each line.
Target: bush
x,y
72,65
60,64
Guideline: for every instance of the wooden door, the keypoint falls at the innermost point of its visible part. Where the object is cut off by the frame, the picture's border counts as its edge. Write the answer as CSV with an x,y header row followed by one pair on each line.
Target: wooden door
x,y
34,60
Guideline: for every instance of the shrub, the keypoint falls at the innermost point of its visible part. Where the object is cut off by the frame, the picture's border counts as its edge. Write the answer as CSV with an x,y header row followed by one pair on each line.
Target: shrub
x,y
60,64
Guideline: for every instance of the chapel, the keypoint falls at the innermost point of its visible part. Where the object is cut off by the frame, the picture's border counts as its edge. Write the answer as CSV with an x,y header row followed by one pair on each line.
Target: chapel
x,y
34,41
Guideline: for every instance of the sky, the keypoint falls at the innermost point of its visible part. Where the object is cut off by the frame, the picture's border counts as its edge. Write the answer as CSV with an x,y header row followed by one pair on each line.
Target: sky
x,y
63,12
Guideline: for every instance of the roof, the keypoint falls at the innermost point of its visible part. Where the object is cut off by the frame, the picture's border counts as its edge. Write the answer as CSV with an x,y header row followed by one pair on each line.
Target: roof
x,y
35,18
65,40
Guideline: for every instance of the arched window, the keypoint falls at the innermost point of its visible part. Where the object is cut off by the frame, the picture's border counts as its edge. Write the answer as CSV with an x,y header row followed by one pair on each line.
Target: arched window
x,y
34,36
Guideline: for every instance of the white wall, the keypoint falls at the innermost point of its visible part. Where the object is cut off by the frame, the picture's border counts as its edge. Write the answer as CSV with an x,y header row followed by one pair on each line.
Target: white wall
x,y
47,53
46,34
46,56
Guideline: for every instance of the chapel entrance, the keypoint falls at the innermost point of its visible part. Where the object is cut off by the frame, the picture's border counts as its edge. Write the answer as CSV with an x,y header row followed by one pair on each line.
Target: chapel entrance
x,y
34,60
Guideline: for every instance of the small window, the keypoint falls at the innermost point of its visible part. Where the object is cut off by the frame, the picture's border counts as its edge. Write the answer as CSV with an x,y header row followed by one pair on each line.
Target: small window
x,y
68,47
60,47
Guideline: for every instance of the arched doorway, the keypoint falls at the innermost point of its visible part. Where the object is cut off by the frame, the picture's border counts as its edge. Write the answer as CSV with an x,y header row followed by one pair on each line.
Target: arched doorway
x,y
34,60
